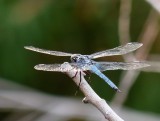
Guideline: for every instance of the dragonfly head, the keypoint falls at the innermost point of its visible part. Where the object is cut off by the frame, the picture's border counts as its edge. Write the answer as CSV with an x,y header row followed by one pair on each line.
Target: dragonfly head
x,y
78,58
75,58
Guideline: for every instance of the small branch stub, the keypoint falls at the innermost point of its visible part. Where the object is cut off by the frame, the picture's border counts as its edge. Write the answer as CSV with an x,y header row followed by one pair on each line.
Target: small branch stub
x,y
85,101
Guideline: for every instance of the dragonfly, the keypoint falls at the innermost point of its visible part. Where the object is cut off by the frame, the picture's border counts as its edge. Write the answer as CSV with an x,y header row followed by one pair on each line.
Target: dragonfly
x,y
86,63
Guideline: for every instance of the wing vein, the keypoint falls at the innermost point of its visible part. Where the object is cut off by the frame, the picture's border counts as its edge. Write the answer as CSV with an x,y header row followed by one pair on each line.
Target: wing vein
x,y
56,53
103,66
120,50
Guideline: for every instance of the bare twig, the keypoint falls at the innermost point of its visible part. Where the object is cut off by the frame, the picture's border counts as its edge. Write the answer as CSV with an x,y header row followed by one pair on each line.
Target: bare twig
x,y
124,25
124,37
147,37
91,97
124,21
155,4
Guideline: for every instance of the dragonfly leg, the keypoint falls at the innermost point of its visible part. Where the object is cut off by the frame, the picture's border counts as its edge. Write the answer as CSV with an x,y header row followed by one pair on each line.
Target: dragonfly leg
x,y
75,75
80,75
80,79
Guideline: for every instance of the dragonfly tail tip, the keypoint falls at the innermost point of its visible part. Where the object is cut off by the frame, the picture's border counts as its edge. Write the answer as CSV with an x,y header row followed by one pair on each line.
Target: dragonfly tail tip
x,y
117,90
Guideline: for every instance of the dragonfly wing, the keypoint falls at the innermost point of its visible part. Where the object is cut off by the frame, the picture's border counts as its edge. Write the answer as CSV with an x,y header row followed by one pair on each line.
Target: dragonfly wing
x,y
129,47
56,53
55,67
83,67
103,66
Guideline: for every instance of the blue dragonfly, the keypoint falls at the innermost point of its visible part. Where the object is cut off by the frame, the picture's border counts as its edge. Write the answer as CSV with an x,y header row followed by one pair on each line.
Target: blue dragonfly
x,y
84,63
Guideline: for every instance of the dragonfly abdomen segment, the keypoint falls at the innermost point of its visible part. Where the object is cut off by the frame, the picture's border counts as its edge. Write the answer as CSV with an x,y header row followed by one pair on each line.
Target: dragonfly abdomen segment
x,y
101,75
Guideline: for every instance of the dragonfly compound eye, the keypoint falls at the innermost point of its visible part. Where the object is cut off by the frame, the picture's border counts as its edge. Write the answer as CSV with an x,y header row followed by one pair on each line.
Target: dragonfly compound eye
x,y
74,59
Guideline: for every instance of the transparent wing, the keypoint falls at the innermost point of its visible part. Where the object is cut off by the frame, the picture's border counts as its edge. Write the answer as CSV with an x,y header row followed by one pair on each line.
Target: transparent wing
x,y
54,67
117,51
50,67
65,67
81,66
56,53
103,66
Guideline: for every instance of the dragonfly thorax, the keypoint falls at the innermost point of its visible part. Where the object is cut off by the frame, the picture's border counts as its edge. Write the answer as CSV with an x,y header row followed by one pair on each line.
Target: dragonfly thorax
x,y
78,58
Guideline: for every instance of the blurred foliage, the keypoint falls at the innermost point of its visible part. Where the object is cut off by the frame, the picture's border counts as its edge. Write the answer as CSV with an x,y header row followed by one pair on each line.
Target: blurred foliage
x,y
77,26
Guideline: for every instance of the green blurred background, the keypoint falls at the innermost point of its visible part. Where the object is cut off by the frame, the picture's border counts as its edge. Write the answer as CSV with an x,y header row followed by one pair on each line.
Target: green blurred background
x,y
76,26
